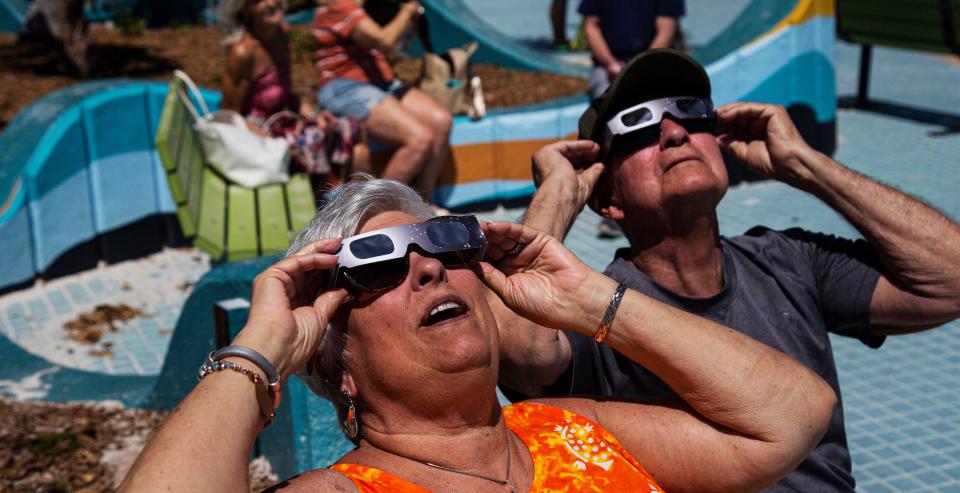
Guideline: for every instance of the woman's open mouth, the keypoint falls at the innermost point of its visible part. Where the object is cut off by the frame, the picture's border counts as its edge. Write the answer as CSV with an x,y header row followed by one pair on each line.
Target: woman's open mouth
x,y
444,310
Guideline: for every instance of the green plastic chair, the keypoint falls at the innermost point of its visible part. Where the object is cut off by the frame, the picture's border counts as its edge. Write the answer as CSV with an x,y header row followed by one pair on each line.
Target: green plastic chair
x,y
226,220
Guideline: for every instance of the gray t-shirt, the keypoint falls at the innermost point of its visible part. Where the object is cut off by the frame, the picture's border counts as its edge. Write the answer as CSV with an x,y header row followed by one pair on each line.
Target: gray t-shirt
x,y
787,289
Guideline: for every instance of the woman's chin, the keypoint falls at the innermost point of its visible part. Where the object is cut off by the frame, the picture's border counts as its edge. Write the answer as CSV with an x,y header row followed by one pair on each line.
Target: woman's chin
x,y
461,352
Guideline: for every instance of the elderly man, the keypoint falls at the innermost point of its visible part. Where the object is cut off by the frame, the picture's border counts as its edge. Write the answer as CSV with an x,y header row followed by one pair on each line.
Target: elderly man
x,y
662,176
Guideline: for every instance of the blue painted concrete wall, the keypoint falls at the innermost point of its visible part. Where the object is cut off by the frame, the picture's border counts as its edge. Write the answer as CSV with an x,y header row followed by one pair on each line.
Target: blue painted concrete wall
x,y
78,163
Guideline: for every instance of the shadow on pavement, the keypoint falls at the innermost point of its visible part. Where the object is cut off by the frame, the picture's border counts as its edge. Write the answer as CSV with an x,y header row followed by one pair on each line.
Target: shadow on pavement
x,y
950,122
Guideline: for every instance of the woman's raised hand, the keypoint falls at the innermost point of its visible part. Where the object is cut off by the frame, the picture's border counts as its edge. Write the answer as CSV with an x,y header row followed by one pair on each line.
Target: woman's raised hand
x,y
539,279
288,313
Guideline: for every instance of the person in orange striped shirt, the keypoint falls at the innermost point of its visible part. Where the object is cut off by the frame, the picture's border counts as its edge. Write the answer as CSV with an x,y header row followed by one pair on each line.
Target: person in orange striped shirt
x,y
357,81
410,361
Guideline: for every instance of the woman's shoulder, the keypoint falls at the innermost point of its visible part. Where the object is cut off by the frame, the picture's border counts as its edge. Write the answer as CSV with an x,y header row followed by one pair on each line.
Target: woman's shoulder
x,y
315,480
243,50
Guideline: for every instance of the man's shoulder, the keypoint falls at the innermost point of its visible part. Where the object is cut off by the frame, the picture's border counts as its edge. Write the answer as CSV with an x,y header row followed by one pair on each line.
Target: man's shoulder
x,y
620,268
763,239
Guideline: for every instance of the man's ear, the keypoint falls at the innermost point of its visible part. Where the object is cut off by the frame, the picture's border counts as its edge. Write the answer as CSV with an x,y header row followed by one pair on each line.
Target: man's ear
x,y
612,212
611,208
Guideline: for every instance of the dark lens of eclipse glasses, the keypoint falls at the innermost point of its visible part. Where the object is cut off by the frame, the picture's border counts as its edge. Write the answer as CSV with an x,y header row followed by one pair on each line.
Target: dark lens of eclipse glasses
x,y
627,144
371,246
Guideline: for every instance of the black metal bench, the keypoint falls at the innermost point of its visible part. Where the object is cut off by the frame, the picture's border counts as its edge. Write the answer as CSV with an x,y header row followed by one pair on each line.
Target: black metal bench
x,y
922,25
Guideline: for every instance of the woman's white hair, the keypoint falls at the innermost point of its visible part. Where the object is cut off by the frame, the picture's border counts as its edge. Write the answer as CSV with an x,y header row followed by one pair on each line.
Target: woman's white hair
x,y
347,208
232,26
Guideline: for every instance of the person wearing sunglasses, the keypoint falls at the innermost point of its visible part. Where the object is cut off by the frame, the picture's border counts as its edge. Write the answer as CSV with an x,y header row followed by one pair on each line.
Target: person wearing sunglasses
x,y
393,324
650,158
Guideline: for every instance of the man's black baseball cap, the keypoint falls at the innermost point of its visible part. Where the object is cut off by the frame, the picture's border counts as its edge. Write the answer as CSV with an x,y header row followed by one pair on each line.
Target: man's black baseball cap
x,y
650,75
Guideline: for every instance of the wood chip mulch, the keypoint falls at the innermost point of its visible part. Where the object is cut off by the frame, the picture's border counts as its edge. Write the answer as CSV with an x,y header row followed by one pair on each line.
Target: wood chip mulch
x,y
52,448
26,75
80,448
90,326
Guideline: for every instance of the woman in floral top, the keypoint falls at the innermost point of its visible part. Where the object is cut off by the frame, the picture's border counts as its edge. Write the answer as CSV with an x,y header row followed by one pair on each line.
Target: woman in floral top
x,y
412,371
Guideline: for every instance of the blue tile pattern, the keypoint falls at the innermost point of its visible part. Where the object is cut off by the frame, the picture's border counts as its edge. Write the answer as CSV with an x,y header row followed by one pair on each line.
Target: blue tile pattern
x,y
34,318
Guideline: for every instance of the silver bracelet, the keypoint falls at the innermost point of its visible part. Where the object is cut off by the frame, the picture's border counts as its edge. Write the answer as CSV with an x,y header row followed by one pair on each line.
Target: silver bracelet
x,y
215,362
273,378
610,313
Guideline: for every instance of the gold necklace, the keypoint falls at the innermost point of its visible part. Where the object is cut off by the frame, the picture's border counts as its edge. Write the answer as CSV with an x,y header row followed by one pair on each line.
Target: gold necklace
x,y
503,482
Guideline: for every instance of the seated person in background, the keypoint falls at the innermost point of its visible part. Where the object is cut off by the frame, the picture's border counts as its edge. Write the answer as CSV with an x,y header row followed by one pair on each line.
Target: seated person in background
x,y
357,81
257,84
410,361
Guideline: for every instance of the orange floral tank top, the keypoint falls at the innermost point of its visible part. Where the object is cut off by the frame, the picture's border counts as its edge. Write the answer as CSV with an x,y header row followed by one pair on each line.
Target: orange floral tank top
x,y
570,453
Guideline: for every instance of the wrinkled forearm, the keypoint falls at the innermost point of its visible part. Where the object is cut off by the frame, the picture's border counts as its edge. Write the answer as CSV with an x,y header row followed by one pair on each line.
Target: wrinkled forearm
x,y
918,246
706,364
553,208
205,443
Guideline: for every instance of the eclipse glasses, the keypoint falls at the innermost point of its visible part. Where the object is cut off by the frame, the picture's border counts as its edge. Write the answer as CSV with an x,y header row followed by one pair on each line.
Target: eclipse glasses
x,y
639,126
377,261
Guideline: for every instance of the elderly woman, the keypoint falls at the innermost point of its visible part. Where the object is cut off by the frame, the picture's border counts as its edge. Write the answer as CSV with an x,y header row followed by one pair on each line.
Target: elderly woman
x,y
357,81
258,85
408,354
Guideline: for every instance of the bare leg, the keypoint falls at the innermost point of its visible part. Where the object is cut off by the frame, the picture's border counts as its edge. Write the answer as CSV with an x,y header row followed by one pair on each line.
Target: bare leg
x,y
439,120
394,124
361,158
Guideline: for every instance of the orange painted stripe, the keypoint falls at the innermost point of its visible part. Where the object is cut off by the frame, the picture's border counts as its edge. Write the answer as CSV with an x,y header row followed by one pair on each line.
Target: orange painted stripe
x,y
480,162
804,11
